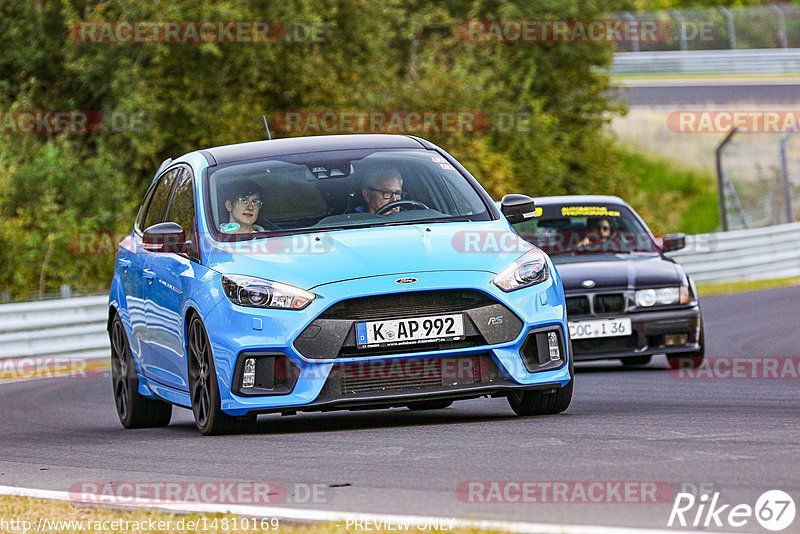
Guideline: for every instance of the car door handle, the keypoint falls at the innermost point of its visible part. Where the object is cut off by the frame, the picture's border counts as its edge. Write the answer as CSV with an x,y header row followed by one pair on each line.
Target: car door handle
x,y
124,263
149,275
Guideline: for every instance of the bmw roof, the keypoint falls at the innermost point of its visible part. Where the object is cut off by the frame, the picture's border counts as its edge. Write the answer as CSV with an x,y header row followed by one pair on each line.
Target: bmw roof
x,y
567,199
299,145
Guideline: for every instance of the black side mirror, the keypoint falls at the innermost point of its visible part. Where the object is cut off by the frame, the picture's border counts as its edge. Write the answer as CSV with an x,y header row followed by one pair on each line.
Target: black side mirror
x,y
517,208
165,237
673,242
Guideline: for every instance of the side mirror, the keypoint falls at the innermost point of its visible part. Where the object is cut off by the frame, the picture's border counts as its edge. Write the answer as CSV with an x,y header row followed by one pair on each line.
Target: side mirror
x,y
673,242
517,208
165,237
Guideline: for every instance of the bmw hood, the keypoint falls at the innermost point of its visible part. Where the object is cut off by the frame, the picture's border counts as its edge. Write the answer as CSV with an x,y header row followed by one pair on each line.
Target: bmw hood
x,y
311,260
637,270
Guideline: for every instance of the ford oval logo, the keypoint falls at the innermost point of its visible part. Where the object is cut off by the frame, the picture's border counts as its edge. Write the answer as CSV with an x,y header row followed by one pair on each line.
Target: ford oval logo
x,y
588,284
406,281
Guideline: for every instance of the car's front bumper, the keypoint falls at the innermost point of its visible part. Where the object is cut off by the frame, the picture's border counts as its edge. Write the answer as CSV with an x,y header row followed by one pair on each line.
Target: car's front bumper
x,y
328,383
648,337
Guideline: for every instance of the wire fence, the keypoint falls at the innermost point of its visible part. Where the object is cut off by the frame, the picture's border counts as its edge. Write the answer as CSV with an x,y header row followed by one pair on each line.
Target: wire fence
x,y
772,26
759,179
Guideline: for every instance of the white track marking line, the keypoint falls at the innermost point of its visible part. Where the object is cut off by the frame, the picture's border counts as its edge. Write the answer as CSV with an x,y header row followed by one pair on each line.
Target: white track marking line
x,y
304,515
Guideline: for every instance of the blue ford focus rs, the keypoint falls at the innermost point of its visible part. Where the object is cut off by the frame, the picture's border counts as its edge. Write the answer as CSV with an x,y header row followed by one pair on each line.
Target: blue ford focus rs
x,y
326,273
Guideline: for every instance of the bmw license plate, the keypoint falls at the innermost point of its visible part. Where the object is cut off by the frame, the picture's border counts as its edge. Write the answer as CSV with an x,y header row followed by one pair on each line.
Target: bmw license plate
x,y
600,328
410,331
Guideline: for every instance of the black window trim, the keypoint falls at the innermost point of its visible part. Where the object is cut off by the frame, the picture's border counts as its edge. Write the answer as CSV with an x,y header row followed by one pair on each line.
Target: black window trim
x,y
192,257
142,215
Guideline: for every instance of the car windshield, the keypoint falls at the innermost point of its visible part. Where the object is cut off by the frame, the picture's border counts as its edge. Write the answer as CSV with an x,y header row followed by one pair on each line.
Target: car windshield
x,y
577,228
334,190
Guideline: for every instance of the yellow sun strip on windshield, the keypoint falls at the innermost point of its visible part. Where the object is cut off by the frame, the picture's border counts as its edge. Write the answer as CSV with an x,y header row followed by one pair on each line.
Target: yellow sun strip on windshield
x,y
589,211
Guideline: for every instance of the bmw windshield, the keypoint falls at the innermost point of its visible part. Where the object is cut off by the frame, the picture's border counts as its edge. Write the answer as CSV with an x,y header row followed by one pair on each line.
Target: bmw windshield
x,y
335,190
586,229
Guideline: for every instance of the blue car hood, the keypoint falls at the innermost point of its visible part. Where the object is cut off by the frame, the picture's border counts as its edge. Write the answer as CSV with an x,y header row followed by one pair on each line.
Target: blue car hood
x,y
310,260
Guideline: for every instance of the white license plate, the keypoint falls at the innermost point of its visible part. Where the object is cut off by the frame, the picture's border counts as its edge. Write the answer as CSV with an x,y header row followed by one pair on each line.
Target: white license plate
x,y
600,328
410,331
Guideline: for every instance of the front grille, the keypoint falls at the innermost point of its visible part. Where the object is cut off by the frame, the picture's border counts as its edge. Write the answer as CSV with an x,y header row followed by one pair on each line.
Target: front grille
x,y
429,375
415,303
577,306
410,375
610,303
605,344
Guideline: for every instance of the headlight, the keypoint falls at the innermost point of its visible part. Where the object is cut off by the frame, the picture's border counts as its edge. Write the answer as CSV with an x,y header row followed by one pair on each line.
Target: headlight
x,y
260,293
528,270
662,297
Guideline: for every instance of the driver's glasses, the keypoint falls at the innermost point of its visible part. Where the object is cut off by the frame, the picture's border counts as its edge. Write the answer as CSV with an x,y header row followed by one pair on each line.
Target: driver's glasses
x,y
254,201
388,195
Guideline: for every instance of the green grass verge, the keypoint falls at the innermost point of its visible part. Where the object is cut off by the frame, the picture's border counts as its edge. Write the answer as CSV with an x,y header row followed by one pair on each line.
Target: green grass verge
x,y
21,513
706,289
669,198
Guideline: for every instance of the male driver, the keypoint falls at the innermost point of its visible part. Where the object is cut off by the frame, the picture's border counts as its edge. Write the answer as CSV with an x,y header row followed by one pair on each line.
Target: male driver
x,y
599,231
381,186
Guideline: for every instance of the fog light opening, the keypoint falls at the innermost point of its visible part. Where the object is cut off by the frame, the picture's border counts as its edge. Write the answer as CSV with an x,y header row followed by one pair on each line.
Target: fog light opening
x,y
552,345
674,340
249,375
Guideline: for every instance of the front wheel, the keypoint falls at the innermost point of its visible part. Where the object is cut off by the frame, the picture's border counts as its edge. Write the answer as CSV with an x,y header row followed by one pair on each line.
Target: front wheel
x,y
134,410
204,388
541,402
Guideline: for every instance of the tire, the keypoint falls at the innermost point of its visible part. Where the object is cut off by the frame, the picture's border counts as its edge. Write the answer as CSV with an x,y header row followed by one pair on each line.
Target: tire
x,y
541,402
429,405
636,361
690,360
544,402
133,409
204,388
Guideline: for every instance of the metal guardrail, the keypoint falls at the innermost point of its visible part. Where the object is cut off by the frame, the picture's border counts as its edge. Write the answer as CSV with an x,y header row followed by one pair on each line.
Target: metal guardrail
x,y
77,326
761,61
757,254
55,328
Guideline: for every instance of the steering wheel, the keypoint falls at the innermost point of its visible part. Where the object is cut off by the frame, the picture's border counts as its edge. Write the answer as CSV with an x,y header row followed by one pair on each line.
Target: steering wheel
x,y
413,204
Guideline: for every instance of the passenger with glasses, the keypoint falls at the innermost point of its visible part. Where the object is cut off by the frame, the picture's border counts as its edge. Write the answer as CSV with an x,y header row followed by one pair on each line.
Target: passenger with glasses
x,y
243,203
381,186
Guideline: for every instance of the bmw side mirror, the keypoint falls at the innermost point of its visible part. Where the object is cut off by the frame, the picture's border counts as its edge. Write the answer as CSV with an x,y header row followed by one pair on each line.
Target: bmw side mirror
x,y
673,242
517,208
165,237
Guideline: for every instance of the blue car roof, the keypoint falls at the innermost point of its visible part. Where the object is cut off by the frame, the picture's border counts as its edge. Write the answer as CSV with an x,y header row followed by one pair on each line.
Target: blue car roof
x,y
298,145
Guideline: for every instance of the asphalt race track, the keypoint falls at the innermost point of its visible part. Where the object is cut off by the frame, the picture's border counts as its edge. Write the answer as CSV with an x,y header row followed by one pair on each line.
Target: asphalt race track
x,y
692,93
736,437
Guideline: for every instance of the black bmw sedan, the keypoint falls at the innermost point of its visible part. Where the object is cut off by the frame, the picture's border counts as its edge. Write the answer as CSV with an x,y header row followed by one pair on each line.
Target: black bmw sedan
x,y
625,299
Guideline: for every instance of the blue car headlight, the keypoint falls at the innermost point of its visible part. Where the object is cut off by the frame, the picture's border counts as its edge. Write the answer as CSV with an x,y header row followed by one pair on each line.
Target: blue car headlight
x,y
260,293
526,271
